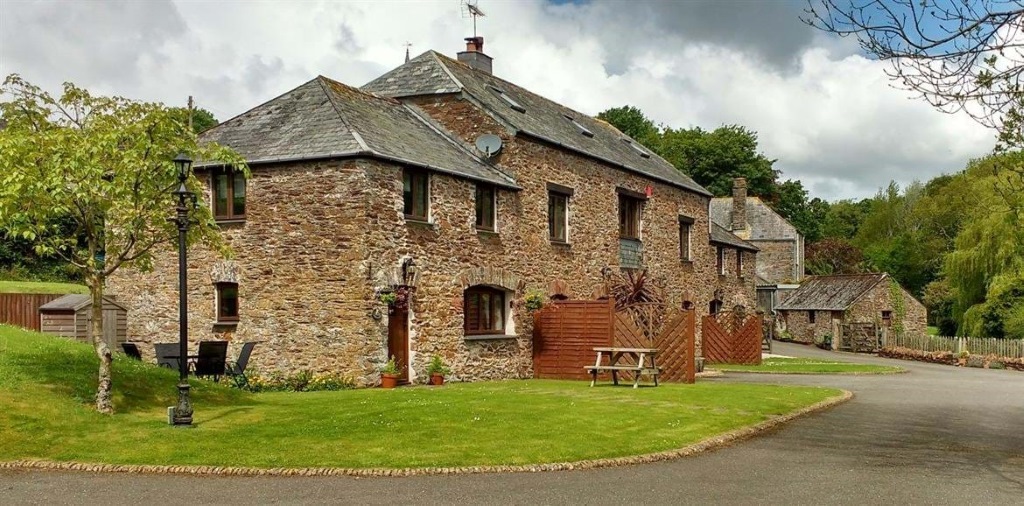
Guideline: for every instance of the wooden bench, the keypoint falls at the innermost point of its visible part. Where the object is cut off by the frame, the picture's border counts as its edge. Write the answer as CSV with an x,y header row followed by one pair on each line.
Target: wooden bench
x,y
641,355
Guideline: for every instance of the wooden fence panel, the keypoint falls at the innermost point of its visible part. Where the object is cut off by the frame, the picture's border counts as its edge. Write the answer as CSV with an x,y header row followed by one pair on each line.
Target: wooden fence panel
x,y
565,334
1005,348
676,348
732,338
22,309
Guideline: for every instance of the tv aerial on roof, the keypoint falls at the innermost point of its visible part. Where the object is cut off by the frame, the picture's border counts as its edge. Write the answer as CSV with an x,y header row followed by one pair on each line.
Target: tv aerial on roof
x,y
470,9
490,144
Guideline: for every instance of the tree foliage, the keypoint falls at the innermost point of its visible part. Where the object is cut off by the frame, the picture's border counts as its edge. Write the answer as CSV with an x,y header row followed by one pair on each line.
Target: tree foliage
x,y
833,256
103,164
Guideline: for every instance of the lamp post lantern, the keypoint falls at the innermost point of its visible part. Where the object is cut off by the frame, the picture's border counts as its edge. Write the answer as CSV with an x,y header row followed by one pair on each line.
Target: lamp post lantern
x,y
186,202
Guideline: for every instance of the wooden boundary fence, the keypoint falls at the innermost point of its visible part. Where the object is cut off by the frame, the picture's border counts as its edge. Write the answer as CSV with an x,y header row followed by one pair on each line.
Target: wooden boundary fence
x,y
1007,348
22,309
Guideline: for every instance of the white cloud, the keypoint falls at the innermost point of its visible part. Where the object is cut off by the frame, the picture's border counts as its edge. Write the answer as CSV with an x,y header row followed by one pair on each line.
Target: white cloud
x,y
830,117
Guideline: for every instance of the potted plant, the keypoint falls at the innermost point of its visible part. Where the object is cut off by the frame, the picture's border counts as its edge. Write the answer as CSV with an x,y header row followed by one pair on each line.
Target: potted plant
x,y
389,374
437,370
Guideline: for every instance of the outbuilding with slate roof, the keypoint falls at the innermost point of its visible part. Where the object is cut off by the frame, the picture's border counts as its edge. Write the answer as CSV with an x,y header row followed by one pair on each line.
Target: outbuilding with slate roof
x,y
373,227
843,306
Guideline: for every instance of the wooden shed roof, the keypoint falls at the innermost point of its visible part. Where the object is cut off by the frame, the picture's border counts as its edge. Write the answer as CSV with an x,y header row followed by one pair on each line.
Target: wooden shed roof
x,y
74,302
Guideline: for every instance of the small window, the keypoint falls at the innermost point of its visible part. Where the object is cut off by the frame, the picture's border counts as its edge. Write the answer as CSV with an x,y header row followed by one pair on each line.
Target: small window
x,y
486,210
415,194
558,217
228,195
582,129
484,311
508,100
684,237
638,149
629,217
739,263
887,318
715,307
720,264
227,302
811,316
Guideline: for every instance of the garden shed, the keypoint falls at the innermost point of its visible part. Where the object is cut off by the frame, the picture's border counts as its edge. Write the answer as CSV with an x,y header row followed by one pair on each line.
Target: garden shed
x,y
71,316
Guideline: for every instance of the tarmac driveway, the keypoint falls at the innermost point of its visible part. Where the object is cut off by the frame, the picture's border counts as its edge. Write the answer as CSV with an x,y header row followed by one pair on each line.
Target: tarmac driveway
x,y
938,435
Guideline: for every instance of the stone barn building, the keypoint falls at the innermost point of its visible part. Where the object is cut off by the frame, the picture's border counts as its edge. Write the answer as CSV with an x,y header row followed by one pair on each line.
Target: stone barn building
x,y
414,216
851,307
780,259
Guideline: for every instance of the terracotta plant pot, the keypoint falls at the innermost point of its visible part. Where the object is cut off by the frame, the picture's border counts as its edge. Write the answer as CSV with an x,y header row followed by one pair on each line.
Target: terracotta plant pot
x,y
388,380
437,379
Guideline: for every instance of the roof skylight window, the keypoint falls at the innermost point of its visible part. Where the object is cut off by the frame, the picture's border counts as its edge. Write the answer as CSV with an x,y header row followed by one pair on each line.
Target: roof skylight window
x,y
508,100
638,149
583,130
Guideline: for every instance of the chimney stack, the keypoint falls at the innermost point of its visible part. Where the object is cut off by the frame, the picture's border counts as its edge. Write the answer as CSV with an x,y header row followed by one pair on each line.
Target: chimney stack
x,y
474,55
739,204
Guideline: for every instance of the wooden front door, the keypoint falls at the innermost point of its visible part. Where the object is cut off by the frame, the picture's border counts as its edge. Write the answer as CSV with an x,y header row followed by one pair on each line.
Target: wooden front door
x,y
398,340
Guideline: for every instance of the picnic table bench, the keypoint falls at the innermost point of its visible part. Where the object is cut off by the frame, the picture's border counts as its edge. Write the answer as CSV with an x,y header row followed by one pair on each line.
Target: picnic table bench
x,y
640,355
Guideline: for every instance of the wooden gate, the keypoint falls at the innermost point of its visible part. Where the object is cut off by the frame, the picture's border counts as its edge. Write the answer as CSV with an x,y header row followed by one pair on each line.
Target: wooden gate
x,y
566,332
732,337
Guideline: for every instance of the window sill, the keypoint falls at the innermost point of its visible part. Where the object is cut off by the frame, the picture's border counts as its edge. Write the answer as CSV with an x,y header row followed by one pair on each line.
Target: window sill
x,y
561,244
487,232
232,323
229,221
489,337
419,222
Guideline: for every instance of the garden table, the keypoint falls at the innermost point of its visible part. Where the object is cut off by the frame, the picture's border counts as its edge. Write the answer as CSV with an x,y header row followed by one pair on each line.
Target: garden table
x,y
640,356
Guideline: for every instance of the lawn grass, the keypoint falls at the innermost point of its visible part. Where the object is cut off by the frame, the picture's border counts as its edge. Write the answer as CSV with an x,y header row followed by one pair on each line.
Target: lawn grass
x,y
48,383
784,365
933,331
40,287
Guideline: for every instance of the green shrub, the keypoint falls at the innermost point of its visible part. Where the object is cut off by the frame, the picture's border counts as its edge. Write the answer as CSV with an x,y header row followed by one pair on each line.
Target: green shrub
x,y
824,342
436,366
996,364
302,381
534,300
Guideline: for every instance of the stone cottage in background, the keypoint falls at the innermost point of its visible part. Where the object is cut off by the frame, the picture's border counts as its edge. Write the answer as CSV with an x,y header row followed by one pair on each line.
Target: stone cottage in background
x,y
780,259
854,310
412,218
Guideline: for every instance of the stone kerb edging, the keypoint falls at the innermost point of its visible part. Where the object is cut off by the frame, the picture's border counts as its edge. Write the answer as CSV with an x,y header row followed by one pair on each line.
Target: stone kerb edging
x,y
813,373
712,443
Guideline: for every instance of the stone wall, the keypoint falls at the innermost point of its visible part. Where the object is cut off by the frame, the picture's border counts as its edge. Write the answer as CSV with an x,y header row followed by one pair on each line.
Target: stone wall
x,y
868,308
321,240
799,326
298,263
778,261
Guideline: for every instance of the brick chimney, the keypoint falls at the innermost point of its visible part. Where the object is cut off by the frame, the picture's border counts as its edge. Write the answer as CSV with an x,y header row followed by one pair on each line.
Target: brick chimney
x,y
474,55
739,204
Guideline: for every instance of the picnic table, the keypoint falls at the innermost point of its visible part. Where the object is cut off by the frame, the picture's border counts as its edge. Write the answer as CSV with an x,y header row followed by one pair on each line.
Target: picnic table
x,y
641,357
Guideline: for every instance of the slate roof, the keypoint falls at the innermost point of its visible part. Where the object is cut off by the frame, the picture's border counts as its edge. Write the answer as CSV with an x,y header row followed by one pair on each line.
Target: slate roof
x,y
830,293
764,222
433,73
74,302
720,235
327,119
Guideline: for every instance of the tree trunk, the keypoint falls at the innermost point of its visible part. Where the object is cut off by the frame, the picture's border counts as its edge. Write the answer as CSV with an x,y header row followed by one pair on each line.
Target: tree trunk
x,y
103,391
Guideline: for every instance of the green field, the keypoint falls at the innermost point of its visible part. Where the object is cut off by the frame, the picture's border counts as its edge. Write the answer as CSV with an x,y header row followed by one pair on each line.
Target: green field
x,y
781,365
48,385
40,287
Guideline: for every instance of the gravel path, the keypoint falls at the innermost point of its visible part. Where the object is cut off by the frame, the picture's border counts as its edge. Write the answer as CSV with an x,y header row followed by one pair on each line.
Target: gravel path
x,y
938,435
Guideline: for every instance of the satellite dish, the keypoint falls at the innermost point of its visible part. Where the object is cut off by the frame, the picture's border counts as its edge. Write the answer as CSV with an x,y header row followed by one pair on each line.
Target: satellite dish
x,y
490,144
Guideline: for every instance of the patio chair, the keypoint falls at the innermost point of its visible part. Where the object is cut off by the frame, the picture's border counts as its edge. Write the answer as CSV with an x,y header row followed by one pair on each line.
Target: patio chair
x,y
212,359
165,350
132,350
236,370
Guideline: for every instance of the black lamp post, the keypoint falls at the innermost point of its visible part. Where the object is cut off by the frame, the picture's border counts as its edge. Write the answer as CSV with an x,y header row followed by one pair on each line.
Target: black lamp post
x,y
186,202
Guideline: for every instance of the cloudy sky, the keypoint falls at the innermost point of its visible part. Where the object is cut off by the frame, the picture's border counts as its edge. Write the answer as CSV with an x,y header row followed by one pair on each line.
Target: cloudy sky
x,y
828,115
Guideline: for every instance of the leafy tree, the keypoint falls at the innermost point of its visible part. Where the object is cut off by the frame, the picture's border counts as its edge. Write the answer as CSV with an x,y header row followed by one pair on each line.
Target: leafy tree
x,y
714,158
844,217
938,297
806,215
834,256
104,163
202,119
632,122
